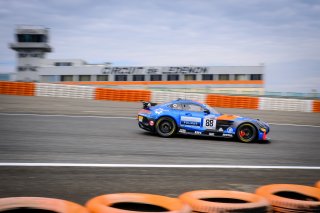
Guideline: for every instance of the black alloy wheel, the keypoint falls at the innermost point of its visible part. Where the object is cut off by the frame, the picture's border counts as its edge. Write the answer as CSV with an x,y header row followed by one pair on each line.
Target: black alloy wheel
x,y
246,133
166,127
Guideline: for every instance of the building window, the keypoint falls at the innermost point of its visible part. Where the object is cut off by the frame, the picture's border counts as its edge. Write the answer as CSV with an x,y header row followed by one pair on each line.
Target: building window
x,y
35,55
256,77
22,55
190,77
102,78
240,77
173,78
207,77
138,77
66,78
120,77
49,78
155,77
31,38
33,68
58,64
22,68
223,77
84,77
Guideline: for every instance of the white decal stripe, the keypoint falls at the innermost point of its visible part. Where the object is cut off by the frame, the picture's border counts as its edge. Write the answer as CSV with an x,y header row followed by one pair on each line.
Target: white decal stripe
x,y
193,119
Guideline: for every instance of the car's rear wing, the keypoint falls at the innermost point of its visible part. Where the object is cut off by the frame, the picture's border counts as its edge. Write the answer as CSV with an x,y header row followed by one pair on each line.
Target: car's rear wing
x,y
147,105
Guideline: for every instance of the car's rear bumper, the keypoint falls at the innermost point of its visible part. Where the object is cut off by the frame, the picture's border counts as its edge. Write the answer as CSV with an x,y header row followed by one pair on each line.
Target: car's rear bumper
x,y
146,123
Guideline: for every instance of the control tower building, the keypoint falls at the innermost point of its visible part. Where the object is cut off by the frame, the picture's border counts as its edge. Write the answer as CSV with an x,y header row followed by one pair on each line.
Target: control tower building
x,y
31,45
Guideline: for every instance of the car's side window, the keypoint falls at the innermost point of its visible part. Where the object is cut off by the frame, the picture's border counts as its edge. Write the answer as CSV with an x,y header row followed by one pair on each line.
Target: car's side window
x,y
192,107
176,106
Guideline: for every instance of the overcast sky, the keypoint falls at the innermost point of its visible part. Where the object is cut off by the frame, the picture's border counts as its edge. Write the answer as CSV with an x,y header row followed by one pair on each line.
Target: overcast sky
x,y
282,34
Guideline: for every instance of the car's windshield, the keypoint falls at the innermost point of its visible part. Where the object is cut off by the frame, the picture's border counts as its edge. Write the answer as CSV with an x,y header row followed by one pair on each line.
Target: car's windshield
x,y
211,109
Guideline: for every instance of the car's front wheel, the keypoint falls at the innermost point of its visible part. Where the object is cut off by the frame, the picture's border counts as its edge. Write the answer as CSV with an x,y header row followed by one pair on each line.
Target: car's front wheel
x,y
246,133
166,127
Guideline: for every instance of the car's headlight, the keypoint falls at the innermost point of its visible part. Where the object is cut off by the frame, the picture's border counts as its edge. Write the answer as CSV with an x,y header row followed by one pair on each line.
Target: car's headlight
x,y
263,129
261,124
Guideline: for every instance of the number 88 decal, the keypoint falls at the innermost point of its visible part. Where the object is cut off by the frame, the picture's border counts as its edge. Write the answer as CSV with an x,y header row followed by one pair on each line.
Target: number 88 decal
x,y
210,123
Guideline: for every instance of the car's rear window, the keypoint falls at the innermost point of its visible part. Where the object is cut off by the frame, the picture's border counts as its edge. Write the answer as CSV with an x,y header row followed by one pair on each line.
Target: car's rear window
x,y
176,106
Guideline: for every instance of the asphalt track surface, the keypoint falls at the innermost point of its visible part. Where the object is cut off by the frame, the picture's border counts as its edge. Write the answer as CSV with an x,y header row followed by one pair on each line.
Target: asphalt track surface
x,y
87,132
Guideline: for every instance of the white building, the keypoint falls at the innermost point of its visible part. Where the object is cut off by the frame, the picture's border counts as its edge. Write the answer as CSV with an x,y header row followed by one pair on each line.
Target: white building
x,y
32,45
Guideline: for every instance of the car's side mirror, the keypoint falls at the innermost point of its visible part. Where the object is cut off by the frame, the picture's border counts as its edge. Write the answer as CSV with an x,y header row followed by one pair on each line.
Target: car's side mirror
x,y
206,111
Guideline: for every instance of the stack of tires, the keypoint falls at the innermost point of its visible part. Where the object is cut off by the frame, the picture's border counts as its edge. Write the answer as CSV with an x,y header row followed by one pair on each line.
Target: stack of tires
x,y
279,198
221,201
291,198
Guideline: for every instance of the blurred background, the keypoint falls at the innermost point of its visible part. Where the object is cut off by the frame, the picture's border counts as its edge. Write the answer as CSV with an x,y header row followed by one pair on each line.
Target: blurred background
x,y
282,37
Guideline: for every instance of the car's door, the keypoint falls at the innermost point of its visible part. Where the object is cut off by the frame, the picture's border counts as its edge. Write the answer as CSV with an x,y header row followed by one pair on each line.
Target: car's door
x,y
191,117
176,109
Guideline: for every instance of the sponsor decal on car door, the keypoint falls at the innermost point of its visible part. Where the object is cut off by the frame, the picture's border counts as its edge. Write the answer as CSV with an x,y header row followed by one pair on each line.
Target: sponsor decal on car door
x,y
187,121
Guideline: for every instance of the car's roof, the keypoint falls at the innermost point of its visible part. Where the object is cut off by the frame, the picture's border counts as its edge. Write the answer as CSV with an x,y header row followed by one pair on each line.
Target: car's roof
x,y
186,101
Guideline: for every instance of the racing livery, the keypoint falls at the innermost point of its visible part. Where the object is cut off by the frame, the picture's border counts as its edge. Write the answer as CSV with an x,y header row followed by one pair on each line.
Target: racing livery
x,y
191,117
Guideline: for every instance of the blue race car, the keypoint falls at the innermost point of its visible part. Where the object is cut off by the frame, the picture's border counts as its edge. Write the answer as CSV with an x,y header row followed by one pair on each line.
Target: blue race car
x,y
191,117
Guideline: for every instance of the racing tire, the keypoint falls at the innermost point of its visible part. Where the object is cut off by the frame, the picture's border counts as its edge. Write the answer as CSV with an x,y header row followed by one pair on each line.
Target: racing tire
x,y
39,204
291,197
166,127
212,201
247,133
135,203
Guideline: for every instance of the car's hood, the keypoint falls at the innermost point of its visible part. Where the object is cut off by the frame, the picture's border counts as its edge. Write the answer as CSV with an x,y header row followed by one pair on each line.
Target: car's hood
x,y
238,118
228,117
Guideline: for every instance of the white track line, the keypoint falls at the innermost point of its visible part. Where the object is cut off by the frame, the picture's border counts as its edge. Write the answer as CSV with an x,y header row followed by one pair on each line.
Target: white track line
x,y
191,166
305,125
67,116
120,117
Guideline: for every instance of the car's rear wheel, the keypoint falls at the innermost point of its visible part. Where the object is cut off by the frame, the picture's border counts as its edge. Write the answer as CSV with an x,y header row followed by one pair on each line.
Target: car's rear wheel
x,y
246,133
166,127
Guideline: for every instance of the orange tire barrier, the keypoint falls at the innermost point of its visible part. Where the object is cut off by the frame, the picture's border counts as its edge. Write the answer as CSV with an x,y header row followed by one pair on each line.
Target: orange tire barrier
x,y
232,101
40,203
225,201
291,198
318,184
17,88
122,95
316,106
136,202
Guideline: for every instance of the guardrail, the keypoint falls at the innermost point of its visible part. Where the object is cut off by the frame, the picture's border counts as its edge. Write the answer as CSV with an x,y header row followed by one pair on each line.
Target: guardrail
x,y
64,91
17,88
121,95
268,198
233,101
134,95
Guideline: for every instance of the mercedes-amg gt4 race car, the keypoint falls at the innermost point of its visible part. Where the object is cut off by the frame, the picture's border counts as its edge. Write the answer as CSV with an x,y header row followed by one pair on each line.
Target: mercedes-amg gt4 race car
x,y
191,117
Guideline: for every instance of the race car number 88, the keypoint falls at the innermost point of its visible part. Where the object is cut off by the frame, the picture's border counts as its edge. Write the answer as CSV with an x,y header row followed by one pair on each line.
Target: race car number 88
x,y
210,123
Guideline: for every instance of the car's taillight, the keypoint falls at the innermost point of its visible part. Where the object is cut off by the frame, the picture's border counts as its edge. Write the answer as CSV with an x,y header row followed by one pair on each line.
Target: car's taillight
x,y
144,111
